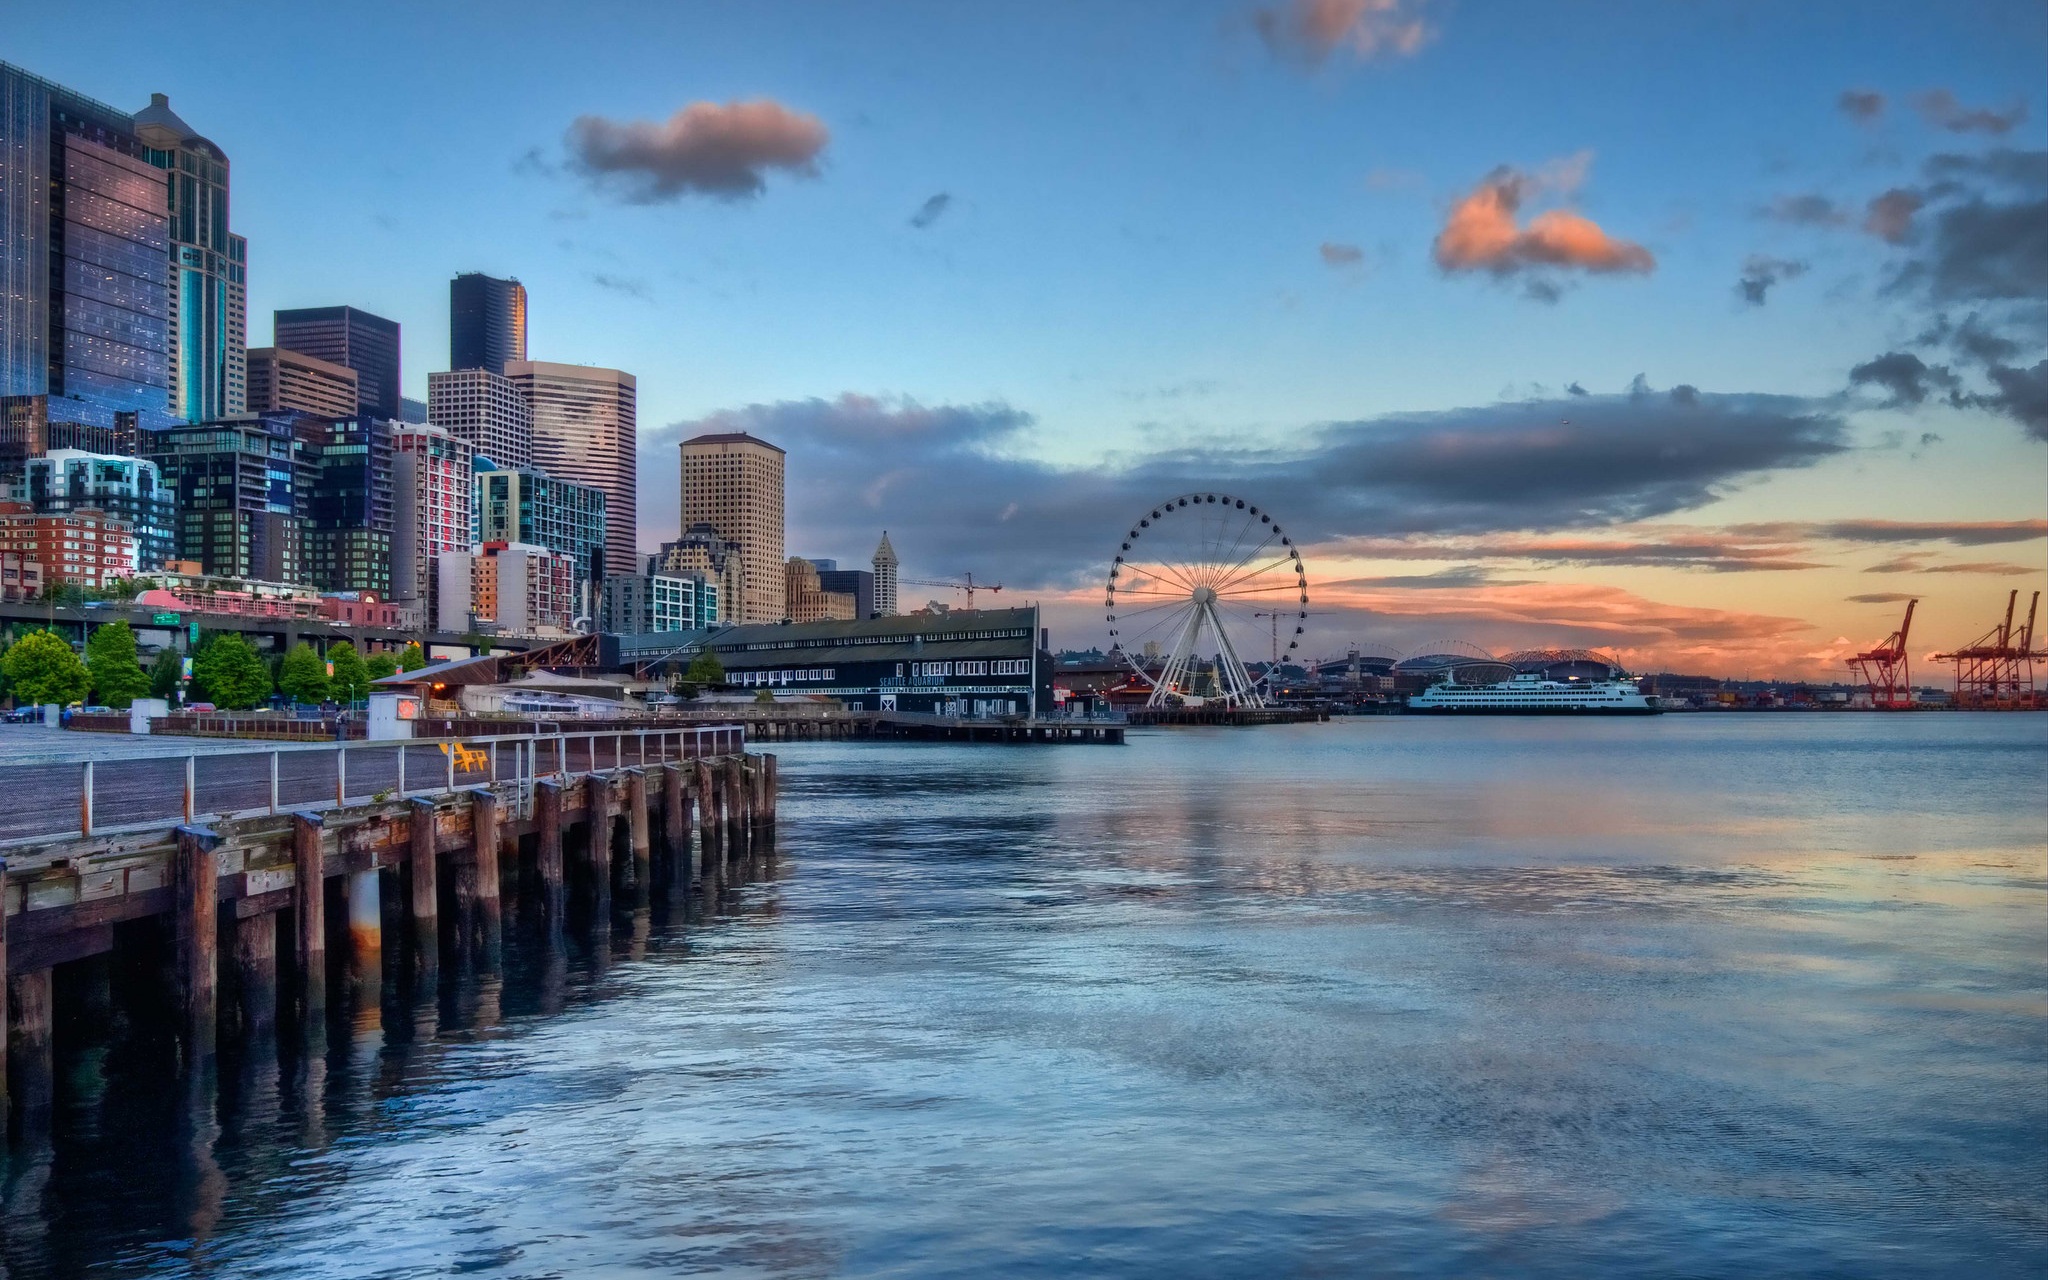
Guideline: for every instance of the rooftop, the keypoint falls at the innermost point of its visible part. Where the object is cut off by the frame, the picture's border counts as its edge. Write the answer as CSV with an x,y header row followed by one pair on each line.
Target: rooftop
x,y
733,437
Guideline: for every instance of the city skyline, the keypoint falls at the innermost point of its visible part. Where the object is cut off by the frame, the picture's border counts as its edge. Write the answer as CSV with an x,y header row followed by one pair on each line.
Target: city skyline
x,y
1528,377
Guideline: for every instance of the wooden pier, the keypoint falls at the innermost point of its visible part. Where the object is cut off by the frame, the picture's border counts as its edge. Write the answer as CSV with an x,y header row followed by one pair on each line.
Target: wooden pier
x,y
255,917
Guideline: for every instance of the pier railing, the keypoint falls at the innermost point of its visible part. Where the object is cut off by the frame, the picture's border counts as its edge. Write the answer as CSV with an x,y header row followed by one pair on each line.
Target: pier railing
x,y
112,797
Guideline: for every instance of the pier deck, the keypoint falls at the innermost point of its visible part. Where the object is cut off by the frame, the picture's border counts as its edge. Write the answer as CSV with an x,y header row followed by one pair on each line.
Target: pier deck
x,y
239,873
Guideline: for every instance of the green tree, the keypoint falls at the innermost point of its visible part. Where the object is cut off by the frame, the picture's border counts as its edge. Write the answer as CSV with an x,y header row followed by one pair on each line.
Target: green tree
x,y
705,668
164,675
232,673
42,668
413,658
381,664
764,695
351,674
303,675
117,677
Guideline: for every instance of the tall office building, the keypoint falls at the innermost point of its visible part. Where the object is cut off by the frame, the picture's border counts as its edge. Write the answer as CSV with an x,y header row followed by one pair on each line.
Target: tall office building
x,y
486,412
885,577
486,322
702,553
808,600
239,483
539,510
584,429
433,488
84,256
209,292
348,336
280,379
732,481
858,583
345,504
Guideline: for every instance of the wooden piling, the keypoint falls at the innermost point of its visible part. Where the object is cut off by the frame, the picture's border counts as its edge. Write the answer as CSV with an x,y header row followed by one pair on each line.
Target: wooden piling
x,y
366,935
256,973
424,904
708,828
547,819
597,808
485,825
675,828
771,771
195,894
309,914
637,833
31,1065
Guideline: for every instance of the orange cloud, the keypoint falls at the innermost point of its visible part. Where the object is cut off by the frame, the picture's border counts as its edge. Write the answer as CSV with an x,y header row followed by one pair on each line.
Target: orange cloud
x,y
1481,233
1309,31
704,149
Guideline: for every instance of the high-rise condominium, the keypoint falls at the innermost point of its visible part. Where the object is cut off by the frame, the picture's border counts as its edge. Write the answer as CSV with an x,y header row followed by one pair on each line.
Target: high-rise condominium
x,y
486,322
485,411
85,262
280,379
345,505
209,292
348,336
433,491
732,481
584,429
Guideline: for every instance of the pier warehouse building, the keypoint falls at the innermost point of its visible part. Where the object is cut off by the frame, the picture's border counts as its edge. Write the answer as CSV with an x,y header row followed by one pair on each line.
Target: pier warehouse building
x,y
983,663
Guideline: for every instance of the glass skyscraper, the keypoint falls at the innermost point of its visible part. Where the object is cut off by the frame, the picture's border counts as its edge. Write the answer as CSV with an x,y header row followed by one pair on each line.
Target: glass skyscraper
x,y
208,297
585,429
84,253
486,322
347,336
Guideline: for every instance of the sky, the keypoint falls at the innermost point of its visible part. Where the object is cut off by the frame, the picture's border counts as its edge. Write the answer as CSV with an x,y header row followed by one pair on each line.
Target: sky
x,y
1702,334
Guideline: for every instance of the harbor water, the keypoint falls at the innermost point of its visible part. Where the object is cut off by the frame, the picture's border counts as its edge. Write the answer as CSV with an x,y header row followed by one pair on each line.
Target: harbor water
x,y
1707,995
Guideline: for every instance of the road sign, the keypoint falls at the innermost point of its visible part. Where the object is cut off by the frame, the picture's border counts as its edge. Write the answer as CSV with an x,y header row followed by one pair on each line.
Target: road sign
x,y
167,619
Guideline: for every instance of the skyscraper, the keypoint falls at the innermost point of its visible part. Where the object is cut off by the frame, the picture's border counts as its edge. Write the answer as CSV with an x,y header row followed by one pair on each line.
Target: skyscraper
x,y
348,336
732,481
584,429
345,503
252,529
280,379
486,322
84,256
433,494
539,510
208,296
885,577
485,411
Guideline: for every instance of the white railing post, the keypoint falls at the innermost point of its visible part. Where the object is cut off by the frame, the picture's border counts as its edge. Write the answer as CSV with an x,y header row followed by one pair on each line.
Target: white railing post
x,y
452,744
401,772
340,776
191,783
85,803
494,759
273,782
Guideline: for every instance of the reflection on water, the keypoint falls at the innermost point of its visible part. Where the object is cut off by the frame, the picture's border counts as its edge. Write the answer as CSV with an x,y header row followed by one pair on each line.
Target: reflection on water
x,y
1711,995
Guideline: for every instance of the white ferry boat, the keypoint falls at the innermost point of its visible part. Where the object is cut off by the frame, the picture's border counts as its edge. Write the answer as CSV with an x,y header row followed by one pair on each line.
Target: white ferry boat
x,y
1532,695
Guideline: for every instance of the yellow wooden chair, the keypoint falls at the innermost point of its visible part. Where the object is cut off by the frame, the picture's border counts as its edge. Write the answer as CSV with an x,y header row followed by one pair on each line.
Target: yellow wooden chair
x,y
467,759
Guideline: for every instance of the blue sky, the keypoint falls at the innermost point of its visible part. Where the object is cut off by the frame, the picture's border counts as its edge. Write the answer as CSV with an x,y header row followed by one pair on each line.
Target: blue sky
x,y
1137,194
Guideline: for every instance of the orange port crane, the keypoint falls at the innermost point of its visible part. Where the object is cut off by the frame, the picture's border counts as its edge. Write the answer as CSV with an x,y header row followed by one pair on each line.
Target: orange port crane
x,y
967,584
1996,671
1884,669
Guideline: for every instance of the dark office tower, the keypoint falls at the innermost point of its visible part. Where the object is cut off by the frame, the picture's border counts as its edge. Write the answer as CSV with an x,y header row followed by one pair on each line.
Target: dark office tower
x,y
347,504
345,336
486,322
209,293
241,485
84,255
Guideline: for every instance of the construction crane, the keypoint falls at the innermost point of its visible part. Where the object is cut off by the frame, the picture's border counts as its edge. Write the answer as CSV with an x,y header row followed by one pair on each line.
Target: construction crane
x,y
1884,670
967,584
1276,615
1996,671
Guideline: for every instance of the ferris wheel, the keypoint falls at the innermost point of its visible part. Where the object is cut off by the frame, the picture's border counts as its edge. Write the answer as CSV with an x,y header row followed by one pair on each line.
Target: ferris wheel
x,y
1205,568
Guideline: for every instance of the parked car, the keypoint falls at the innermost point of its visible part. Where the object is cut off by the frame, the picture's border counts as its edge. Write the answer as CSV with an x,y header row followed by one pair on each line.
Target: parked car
x,y
97,711
199,706
25,715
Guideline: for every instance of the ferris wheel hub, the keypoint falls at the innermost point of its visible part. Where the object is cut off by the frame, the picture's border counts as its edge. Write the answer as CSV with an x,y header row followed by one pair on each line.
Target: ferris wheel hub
x,y
1205,595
